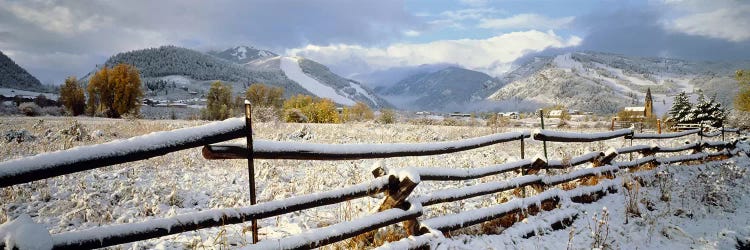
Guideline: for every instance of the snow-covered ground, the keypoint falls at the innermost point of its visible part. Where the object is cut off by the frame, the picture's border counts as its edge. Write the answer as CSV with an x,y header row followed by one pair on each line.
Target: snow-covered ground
x,y
291,68
184,182
9,92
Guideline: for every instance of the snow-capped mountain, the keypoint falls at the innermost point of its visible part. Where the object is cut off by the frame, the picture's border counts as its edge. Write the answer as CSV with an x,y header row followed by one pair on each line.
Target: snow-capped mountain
x,y
171,72
447,89
242,54
380,80
604,83
318,80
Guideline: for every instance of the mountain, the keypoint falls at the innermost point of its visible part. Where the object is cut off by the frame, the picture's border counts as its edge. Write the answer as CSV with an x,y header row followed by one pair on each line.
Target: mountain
x,y
15,77
605,83
176,73
242,54
380,80
447,89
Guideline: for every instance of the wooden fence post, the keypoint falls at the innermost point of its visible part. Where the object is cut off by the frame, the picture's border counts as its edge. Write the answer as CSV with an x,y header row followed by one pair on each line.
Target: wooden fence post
x,y
395,197
522,149
612,125
544,142
250,164
722,134
658,125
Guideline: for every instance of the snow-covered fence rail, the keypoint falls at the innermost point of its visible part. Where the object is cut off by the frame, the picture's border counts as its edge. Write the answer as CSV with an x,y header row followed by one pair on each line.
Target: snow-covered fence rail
x,y
263,149
557,136
122,233
663,136
83,158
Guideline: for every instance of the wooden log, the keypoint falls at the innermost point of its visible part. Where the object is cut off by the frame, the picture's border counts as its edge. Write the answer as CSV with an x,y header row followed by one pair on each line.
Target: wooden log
x,y
84,158
557,136
131,232
310,151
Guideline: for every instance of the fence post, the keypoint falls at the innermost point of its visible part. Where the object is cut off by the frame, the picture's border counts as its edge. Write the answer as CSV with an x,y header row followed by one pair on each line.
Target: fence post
x,y
631,144
544,142
658,125
612,125
700,133
250,164
522,148
395,197
722,134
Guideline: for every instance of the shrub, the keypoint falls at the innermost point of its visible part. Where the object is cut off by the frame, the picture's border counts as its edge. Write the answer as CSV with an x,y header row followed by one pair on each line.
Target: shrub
x,y
358,112
30,109
304,108
53,111
387,116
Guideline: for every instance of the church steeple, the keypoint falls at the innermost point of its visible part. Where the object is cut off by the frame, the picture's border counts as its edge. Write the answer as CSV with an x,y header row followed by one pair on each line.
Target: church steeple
x,y
649,105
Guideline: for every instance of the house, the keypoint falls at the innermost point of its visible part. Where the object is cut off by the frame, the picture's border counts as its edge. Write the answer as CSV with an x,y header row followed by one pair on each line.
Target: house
x,y
511,115
641,112
557,113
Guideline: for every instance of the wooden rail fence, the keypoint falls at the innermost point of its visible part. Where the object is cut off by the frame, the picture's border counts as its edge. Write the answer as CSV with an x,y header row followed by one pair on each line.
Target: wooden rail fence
x,y
398,204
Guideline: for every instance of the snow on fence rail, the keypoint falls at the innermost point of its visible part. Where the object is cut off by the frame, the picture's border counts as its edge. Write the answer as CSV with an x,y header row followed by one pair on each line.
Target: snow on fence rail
x,y
397,206
662,136
263,149
83,158
557,136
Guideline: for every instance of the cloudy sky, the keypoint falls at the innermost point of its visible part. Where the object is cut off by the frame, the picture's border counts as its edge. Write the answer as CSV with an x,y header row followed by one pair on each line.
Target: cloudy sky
x,y
55,39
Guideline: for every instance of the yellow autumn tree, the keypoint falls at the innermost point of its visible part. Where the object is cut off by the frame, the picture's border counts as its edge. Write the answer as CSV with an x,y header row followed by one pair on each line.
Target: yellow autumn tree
x,y
72,97
262,95
115,91
742,101
218,102
358,112
305,108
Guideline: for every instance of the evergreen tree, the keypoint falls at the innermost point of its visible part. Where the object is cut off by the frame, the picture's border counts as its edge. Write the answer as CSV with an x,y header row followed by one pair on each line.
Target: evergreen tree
x,y
681,109
716,112
700,111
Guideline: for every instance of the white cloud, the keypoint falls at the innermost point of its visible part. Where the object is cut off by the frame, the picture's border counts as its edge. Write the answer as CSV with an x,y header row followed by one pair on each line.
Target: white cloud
x,y
720,21
525,21
411,33
492,55
58,19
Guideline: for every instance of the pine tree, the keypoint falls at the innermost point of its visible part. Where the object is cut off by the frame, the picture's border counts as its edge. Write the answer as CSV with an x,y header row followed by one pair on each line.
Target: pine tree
x,y
708,112
716,113
681,109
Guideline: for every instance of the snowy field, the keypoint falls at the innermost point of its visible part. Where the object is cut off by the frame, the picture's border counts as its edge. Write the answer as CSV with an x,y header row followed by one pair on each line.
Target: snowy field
x,y
708,208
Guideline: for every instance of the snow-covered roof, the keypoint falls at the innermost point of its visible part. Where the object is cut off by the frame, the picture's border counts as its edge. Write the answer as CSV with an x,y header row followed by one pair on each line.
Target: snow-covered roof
x,y
635,109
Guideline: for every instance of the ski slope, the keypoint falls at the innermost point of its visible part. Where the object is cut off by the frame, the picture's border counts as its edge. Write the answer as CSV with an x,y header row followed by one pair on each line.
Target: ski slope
x,y
291,68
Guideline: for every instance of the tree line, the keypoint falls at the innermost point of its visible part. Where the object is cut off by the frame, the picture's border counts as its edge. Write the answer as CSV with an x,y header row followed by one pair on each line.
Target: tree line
x,y
268,103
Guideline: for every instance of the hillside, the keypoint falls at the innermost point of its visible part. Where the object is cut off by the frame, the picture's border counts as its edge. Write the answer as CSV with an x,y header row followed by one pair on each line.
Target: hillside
x,y
14,76
604,83
242,54
175,73
448,89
